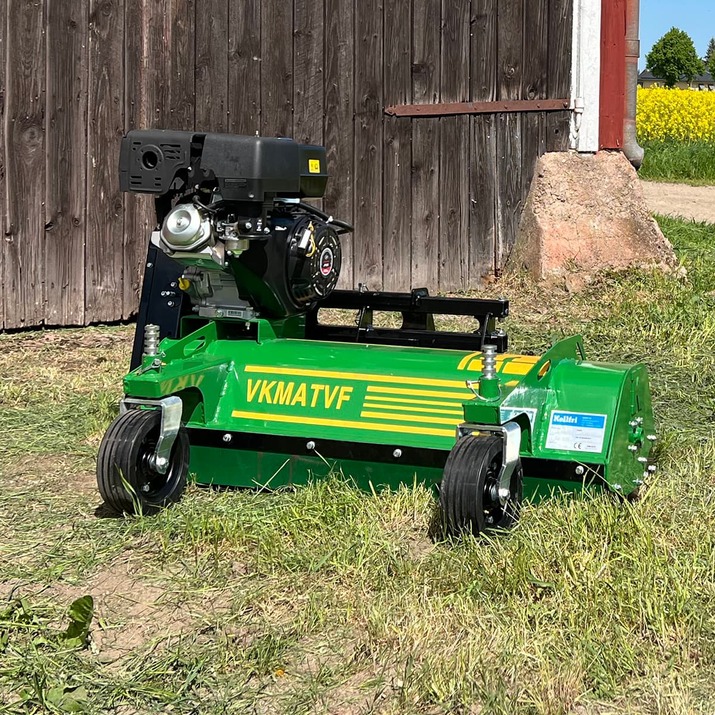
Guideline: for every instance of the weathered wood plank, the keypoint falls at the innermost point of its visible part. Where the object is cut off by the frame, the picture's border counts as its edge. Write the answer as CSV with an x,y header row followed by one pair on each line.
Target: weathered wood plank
x,y
509,127
105,219
397,157
66,204
535,86
426,17
367,241
309,91
483,164
212,65
138,210
277,68
3,212
157,63
559,71
454,149
338,124
184,36
244,67
24,266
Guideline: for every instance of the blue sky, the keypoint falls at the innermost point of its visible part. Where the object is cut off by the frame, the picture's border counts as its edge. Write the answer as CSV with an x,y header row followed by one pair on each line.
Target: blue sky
x,y
696,17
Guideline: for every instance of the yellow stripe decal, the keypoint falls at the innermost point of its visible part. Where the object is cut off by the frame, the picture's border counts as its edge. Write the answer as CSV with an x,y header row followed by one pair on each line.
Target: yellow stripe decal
x,y
515,368
466,359
460,396
405,408
345,424
410,418
331,375
408,401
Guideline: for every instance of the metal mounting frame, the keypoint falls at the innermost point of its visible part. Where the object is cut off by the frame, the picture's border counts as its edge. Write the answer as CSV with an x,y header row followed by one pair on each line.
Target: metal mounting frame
x,y
171,410
511,433
418,309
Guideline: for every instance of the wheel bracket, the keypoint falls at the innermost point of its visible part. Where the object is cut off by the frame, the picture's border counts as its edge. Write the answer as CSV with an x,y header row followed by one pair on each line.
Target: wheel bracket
x,y
171,409
511,434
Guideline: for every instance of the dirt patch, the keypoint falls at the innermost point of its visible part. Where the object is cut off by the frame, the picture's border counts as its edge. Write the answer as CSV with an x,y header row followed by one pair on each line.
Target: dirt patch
x,y
55,474
696,203
133,610
128,610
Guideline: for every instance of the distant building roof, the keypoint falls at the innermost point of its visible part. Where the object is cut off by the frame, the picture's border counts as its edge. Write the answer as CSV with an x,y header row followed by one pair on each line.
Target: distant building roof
x,y
706,78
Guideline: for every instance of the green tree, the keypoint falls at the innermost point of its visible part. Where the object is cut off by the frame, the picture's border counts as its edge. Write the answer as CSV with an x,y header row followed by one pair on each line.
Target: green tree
x,y
674,57
710,57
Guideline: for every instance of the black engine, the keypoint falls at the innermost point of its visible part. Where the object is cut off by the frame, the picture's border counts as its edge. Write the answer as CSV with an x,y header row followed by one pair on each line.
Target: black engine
x,y
231,212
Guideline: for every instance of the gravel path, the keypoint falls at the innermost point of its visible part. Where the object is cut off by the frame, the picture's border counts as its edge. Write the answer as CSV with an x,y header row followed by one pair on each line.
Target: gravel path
x,y
690,202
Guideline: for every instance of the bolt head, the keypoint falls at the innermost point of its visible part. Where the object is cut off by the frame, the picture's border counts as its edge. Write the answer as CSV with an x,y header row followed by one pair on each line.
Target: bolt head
x,y
632,448
580,471
643,460
652,469
397,453
310,446
227,438
504,494
651,438
618,487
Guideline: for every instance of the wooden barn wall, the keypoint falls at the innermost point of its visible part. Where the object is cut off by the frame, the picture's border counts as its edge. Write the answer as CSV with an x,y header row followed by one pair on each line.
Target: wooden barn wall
x,y
435,201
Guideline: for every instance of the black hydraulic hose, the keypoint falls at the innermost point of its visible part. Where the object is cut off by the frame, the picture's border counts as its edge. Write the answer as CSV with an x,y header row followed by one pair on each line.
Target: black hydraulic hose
x,y
343,225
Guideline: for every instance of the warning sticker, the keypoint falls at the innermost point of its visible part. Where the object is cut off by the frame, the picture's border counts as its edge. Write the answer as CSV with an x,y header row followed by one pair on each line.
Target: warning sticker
x,y
576,432
314,166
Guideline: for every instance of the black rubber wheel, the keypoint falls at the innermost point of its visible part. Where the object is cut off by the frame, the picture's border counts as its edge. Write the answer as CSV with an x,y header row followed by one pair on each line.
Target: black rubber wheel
x,y
126,480
468,497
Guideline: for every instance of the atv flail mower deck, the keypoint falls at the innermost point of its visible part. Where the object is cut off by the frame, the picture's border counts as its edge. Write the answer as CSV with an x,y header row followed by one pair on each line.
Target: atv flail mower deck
x,y
239,379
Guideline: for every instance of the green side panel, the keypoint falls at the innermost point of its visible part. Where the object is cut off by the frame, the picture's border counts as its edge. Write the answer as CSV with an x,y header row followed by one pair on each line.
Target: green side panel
x,y
570,410
236,468
268,470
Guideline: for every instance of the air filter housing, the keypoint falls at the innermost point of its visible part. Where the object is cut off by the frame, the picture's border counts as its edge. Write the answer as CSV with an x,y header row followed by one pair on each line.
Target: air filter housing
x,y
240,168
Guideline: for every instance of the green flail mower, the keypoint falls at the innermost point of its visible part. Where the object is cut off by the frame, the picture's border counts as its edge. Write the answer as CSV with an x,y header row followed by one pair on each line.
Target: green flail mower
x,y
245,371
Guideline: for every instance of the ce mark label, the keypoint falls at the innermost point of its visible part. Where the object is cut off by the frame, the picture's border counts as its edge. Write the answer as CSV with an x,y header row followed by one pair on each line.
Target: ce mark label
x,y
576,431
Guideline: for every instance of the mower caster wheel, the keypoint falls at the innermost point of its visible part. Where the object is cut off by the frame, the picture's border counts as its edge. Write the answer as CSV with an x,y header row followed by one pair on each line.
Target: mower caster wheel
x,y
469,498
126,478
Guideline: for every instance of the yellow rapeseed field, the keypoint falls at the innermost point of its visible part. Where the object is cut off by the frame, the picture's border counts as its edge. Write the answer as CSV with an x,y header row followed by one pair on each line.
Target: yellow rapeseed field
x,y
682,115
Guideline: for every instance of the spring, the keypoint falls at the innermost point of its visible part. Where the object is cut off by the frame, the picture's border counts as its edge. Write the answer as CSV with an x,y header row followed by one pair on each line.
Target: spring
x,y
489,369
151,340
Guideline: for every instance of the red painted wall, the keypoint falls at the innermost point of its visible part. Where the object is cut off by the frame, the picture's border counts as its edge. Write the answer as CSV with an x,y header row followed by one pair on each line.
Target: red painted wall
x,y
613,73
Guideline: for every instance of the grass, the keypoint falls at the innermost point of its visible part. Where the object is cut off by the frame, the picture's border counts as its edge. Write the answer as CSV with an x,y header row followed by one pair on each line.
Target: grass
x,y
689,163
329,600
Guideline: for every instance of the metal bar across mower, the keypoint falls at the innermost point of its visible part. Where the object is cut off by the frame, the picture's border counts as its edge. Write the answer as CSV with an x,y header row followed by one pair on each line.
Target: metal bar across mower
x,y
418,309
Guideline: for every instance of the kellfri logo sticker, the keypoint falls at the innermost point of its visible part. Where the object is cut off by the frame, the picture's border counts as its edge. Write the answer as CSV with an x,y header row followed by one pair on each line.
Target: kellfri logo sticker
x,y
576,432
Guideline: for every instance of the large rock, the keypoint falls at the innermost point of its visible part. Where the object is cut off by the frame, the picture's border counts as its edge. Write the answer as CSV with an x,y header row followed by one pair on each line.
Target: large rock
x,y
585,213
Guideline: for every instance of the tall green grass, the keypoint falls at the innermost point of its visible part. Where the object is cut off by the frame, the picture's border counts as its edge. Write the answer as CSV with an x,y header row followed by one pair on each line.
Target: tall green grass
x,y
692,163
330,600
